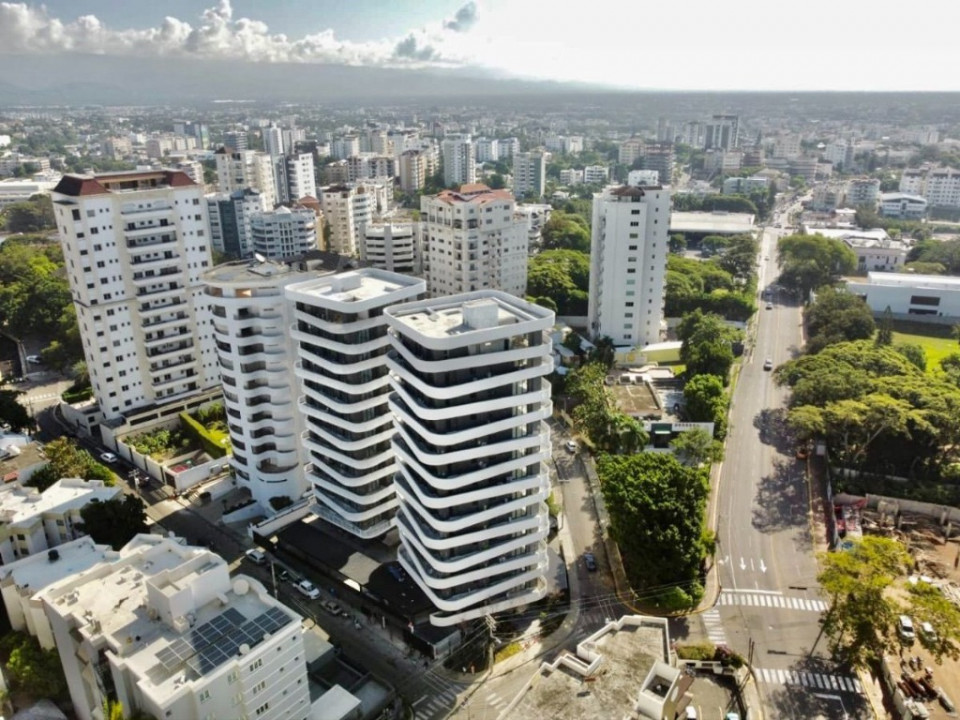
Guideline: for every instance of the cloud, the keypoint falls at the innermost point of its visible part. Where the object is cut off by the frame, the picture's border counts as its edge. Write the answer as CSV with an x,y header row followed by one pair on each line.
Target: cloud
x,y
465,18
218,35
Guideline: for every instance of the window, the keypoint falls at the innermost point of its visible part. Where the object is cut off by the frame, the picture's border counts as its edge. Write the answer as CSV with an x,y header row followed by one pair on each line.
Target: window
x,y
260,686
263,708
924,300
203,696
258,663
76,214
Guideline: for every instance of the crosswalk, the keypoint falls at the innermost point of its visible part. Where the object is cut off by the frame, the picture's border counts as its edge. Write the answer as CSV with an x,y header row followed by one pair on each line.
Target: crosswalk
x,y
714,626
818,681
439,698
776,600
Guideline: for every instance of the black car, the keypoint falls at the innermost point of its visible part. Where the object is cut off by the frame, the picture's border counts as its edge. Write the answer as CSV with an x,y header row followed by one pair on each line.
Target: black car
x,y
590,561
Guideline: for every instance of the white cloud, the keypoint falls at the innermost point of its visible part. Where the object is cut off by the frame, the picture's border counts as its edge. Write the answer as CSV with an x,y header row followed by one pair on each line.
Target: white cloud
x,y
218,35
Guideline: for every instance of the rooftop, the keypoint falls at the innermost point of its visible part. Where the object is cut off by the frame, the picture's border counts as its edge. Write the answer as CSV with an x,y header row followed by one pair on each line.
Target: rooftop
x,y
80,185
609,677
459,315
16,457
246,272
168,612
35,572
23,505
932,282
477,193
355,286
719,223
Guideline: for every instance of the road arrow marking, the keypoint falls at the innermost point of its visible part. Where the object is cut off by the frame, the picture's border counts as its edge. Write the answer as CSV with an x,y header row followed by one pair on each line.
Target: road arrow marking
x,y
743,564
763,568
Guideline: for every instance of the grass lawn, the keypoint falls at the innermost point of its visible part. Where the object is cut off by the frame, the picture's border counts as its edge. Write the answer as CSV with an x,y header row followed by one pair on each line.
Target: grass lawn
x,y
935,341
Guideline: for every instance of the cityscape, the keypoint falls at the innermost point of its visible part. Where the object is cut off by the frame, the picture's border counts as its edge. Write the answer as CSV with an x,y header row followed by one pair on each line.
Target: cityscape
x,y
393,370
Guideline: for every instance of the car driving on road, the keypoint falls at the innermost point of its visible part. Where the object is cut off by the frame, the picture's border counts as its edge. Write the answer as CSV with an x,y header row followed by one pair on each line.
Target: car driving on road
x,y
308,589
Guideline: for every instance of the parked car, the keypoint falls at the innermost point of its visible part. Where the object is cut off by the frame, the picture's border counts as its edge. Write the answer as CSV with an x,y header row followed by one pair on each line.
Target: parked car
x,y
590,561
927,633
571,446
34,360
333,608
257,557
768,364
308,589
905,629
108,457
769,306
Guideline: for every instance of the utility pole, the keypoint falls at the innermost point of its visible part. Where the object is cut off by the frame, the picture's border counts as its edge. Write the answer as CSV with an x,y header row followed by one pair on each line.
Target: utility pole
x,y
273,577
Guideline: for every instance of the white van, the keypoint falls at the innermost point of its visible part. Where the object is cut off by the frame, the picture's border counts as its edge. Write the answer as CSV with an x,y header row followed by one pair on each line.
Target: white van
x,y
905,628
256,556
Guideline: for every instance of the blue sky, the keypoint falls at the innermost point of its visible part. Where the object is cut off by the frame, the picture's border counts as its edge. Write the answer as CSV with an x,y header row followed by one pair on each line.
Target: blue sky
x,y
678,45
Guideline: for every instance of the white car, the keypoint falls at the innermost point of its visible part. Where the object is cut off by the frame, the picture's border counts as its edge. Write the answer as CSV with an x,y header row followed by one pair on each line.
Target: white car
x,y
34,360
571,446
308,589
108,457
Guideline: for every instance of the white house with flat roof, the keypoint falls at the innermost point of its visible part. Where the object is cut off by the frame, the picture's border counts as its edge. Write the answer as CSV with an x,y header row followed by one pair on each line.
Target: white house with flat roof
x,y
712,223
174,636
32,521
922,296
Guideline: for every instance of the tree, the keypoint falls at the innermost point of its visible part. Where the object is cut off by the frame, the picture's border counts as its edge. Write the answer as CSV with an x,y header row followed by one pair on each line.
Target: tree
x,y
656,508
115,521
677,243
808,262
885,329
707,344
564,231
706,401
838,316
861,614
564,276
12,412
929,604
30,216
696,447
573,342
604,352
33,670
66,460
914,353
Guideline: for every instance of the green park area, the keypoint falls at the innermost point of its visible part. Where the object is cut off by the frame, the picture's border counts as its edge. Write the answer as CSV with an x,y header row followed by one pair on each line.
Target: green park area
x,y
934,339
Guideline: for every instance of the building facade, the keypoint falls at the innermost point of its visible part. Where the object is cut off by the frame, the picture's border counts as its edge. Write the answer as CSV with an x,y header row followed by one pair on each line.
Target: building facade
x,y
459,164
246,169
903,205
284,232
471,403
922,297
393,245
473,240
230,215
413,170
530,173
722,132
628,263
256,358
341,332
136,245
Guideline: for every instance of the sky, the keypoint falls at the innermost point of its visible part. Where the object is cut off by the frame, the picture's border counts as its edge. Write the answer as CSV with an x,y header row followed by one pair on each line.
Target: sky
x,y
633,44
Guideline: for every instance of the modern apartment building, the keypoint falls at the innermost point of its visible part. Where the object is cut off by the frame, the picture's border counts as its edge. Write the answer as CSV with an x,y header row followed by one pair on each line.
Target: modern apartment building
x,y
596,174
530,173
471,404
367,166
723,132
299,179
659,157
486,150
943,188
257,357
412,171
230,215
628,264
346,210
284,232
164,629
246,169
136,245
863,192
341,332
273,140
459,165
630,151
392,245
473,240
32,521
235,141
507,147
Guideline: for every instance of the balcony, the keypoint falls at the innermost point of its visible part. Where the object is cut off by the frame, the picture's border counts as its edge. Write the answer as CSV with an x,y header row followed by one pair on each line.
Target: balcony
x,y
153,243
151,343
159,321
153,309
171,290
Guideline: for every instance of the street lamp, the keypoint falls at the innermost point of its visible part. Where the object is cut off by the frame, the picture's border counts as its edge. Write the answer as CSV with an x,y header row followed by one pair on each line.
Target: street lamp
x,y
839,699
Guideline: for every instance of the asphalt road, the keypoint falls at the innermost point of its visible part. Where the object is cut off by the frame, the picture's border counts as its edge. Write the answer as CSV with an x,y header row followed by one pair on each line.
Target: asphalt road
x,y
766,560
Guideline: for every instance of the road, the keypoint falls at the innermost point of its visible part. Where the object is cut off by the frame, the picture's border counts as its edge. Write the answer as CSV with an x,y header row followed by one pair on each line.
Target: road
x,y
767,566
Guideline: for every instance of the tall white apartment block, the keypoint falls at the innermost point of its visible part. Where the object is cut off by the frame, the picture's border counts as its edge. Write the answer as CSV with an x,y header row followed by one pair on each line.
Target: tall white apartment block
x,y
530,173
256,359
630,151
596,174
914,181
345,146
473,240
628,264
284,232
301,181
136,245
246,169
347,209
722,131
342,335
486,150
571,176
943,187
471,403
273,141
507,147
863,192
166,628
412,170
459,165
392,245
230,215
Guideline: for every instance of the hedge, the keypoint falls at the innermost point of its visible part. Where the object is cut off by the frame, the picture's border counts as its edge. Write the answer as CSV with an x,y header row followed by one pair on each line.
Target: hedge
x,y
210,441
71,396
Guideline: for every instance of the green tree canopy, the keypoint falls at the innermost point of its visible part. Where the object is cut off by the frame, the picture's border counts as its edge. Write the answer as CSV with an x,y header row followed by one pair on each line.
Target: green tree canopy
x,y
707,344
115,521
696,447
67,460
564,276
861,611
808,262
837,316
656,508
12,412
564,231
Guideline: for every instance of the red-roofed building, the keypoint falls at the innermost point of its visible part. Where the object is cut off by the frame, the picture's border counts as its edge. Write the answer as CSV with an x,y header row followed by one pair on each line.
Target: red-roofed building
x,y
136,245
473,240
